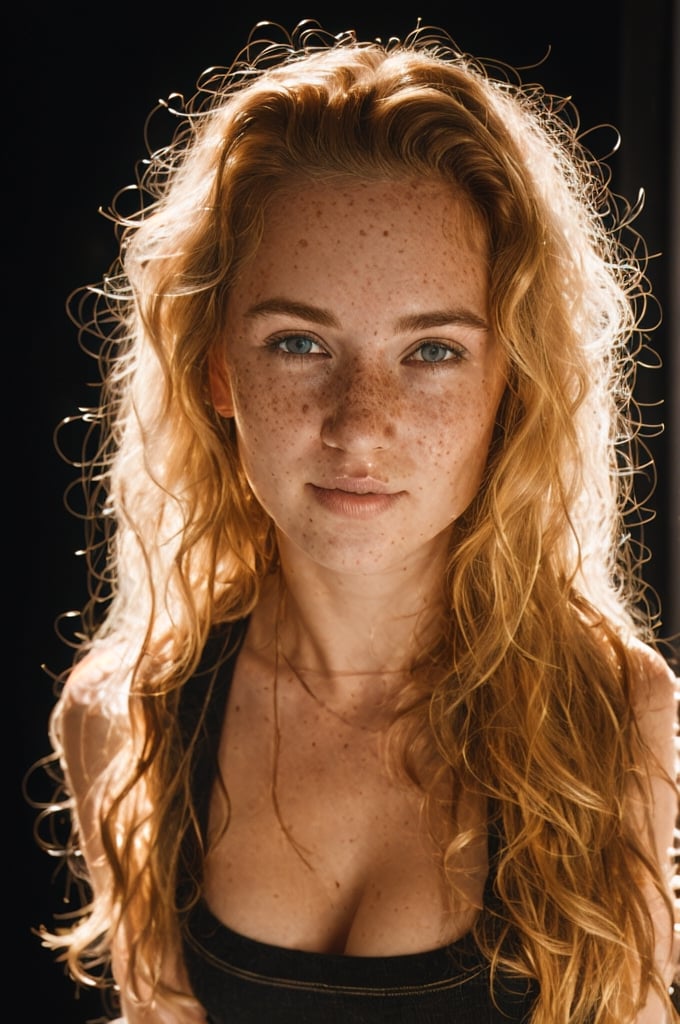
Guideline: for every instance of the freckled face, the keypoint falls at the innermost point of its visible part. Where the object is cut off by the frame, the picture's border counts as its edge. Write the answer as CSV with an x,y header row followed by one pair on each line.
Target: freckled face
x,y
361,372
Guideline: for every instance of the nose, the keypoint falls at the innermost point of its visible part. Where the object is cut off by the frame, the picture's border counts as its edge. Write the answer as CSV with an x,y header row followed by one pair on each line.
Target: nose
x,y
362,408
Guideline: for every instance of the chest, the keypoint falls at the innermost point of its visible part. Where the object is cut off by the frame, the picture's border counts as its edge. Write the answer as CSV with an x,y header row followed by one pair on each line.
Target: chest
x,y
314,843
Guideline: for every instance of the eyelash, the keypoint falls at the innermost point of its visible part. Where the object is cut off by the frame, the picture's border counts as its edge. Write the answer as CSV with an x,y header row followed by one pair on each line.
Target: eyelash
x,y
456,353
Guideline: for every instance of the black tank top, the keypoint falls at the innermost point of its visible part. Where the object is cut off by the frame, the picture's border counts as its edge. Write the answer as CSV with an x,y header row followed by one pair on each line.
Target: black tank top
x,y
239,980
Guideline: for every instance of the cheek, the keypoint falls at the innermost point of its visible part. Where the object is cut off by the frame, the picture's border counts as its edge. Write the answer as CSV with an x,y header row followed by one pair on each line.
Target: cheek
x,y
256,400
268,418
455,439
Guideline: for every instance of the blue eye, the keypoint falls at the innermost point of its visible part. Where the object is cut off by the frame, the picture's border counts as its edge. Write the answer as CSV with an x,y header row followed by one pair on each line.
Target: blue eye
x,y
296,345
436,352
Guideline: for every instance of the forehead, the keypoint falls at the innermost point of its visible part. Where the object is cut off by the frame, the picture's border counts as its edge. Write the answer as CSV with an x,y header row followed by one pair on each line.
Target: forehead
x,y
395,208
394,235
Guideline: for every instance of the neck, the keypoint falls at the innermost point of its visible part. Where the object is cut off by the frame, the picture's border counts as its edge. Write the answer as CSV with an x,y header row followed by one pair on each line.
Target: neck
x,y
345,626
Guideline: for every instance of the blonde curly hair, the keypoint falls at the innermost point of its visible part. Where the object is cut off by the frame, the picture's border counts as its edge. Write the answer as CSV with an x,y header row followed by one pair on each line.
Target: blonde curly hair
x,y
531,671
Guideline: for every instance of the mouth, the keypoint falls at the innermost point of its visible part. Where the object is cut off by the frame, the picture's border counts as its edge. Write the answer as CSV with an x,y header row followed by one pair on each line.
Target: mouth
x,y
356,497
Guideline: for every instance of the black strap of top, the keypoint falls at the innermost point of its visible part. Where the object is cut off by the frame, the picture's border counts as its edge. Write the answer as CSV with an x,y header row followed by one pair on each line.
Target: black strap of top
x,y
202,707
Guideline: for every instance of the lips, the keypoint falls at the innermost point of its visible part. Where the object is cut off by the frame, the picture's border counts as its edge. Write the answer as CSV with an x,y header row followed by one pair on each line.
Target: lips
x,y
355,497
357,485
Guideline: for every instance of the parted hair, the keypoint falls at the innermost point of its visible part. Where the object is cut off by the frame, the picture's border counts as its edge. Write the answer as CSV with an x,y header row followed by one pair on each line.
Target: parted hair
x,y
531,670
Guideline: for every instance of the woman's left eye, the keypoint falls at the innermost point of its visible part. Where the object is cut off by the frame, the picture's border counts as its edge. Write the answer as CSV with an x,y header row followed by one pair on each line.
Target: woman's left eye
x,y
436,352
297,345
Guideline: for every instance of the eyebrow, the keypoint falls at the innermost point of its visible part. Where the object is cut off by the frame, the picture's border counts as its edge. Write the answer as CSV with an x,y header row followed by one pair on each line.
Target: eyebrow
x,y
441,318
410,322
315,314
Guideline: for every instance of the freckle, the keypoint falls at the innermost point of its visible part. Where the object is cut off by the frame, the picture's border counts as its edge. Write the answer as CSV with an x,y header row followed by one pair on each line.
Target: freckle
x,y
385,233
305,409
361,231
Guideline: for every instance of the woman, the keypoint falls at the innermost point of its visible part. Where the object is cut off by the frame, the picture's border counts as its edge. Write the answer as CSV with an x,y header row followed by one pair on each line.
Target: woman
x,y
371,727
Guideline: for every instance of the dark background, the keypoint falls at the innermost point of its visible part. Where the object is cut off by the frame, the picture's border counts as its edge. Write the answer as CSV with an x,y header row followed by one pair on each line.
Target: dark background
x,y
83,79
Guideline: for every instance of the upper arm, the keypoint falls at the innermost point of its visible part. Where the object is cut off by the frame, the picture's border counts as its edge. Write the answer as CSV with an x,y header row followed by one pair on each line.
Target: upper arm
x,y
92,728
655,698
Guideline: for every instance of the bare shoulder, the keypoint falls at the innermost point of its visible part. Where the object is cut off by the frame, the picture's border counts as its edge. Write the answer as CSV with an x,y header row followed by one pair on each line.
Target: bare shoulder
x,y
91,722
655,691
92,679
655,686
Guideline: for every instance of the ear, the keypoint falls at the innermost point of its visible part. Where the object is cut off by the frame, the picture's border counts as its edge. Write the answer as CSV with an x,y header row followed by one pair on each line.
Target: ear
x,y
219,384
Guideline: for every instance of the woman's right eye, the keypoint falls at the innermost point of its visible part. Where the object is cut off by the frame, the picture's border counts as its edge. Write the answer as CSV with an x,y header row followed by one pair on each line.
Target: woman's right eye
x,y
297,345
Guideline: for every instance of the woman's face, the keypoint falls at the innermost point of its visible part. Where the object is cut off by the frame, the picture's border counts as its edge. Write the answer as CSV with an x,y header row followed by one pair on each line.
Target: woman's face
x,y
361,372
